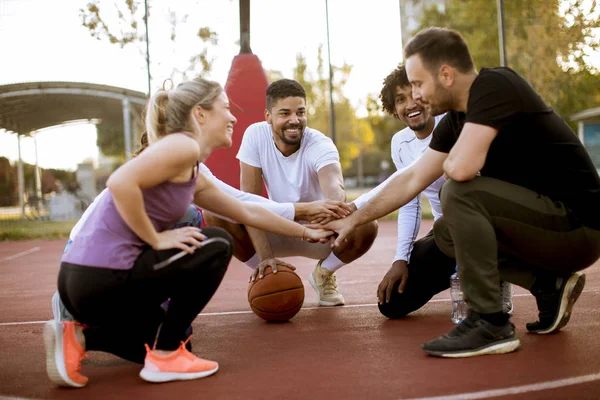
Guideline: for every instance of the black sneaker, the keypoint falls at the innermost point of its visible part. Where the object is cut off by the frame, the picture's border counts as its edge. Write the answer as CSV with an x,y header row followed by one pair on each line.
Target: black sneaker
x,y
555,304
474,337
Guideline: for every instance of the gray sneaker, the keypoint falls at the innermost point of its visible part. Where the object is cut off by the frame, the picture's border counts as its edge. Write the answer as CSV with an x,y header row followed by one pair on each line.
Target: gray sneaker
x,y
59,310
474,337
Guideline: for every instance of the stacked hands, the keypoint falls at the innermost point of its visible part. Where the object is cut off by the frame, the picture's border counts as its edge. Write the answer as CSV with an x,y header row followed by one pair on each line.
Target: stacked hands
x,y
322,216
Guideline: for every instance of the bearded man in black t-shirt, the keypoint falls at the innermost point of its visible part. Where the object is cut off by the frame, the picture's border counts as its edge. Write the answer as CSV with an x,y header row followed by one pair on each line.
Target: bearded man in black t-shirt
x,y
520,203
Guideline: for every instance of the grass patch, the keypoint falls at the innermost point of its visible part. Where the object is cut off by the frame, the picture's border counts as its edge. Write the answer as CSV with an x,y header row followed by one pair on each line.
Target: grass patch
x,y
23,229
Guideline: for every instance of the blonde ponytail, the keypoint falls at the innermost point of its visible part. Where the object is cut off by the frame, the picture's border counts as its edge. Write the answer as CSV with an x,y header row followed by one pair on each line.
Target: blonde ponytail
x,y
169,111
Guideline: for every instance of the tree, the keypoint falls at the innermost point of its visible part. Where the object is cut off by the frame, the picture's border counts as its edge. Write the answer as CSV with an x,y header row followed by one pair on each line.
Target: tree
x,y
121,22
8,183
317,96
546,42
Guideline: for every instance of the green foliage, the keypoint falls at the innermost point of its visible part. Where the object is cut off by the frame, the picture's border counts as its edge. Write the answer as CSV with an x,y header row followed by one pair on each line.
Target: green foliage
x,y
127,27
546,42
348,140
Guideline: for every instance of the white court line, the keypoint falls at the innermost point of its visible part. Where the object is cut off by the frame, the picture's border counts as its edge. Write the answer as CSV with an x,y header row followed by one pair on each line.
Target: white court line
x,y
21,254
536,387
250,311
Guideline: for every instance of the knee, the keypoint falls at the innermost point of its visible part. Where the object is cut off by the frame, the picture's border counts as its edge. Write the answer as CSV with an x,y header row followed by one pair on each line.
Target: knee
x,y
366,234
392,310
442,238
221,238
454,193
211,219
450,191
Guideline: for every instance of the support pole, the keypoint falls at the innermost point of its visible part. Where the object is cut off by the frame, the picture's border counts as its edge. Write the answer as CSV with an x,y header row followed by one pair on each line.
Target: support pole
x,y
38,177
20,178
331,105
245,27
501,37
127,128
147,48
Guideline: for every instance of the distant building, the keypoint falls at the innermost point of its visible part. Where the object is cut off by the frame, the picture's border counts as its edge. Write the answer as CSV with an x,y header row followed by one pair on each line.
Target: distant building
x,y
410,15
588,130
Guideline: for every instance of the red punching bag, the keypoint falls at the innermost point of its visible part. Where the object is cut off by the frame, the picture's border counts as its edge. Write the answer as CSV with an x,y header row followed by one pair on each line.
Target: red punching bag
x,y
246,86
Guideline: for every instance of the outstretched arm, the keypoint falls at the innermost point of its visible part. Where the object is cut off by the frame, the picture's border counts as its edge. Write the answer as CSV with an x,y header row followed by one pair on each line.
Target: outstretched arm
x,y
399,191
331,182
211,198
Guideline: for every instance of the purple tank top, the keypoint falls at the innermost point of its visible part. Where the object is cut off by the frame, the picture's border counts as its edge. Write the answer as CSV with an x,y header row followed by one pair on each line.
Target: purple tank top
x,y
106,241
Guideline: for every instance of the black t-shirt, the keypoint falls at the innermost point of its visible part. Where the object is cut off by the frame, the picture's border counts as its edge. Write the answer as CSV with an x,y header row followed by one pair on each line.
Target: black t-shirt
x,y
534,147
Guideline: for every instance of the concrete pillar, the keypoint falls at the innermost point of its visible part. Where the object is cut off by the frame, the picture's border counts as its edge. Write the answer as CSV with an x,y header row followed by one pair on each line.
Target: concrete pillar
x,y
20,178
38,177
127,128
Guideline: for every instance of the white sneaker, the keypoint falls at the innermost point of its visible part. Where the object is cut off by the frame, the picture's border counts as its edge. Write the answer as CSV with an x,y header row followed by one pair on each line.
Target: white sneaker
x,y
507,294
59,310
324,283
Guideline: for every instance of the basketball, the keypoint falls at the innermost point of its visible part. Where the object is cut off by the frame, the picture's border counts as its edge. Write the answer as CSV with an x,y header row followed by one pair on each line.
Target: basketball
x,y
276,297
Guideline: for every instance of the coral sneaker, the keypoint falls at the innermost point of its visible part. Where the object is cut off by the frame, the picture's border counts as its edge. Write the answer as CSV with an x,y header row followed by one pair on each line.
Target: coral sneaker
x,y
64,354
175,366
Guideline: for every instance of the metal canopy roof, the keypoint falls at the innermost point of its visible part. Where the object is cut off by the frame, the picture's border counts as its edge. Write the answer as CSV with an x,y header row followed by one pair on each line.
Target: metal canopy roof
x,y
590,113
27,107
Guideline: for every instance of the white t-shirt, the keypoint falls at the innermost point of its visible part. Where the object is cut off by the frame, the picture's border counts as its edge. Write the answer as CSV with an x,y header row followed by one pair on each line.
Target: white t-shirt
x,y
285,210
406,149
291,179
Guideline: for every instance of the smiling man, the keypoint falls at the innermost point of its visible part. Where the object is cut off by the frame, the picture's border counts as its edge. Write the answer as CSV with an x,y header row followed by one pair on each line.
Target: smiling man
x,y
520,202
419,269
298,165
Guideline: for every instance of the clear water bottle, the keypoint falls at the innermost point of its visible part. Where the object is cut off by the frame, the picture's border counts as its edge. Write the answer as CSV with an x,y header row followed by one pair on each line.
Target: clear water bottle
x,y
459,305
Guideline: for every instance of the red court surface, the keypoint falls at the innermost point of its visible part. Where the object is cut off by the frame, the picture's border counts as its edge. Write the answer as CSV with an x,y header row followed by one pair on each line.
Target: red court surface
x,y
349,352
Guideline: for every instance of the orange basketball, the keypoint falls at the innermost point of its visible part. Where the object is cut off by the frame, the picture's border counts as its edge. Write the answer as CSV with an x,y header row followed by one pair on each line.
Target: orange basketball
x,y
276,297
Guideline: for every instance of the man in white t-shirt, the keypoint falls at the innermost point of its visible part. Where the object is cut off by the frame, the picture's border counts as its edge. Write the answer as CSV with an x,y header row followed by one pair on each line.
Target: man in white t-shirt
x,y
297,164
419,270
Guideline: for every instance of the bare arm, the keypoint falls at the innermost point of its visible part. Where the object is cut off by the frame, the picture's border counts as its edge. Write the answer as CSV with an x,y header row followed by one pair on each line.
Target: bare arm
x,y
399,191
332,182
208,196
251,182
468,154
171,158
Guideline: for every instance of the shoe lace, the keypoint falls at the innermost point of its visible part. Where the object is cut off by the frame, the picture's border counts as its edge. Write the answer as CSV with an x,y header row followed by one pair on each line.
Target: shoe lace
x,y
329,284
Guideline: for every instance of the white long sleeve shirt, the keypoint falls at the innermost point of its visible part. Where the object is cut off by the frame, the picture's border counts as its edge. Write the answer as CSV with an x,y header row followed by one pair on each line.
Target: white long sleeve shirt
x,y
406,149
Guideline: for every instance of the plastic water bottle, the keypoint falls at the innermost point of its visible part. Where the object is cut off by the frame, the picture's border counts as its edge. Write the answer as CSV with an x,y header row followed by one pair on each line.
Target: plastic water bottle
x,y
459,305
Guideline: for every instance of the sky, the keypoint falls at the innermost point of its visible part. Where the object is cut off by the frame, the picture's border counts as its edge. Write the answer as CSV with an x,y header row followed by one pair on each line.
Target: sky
x,y
44,40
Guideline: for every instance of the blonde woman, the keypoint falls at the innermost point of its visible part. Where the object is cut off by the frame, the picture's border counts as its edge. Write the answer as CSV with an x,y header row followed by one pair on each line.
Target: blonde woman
x,y
125,261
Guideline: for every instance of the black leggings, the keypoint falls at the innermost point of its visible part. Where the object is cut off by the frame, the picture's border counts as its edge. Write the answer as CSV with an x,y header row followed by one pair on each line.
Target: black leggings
x,y
122,308
429,272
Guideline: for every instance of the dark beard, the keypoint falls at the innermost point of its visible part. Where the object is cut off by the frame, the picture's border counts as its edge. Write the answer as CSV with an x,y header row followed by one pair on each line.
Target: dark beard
x,y
288,141
419,127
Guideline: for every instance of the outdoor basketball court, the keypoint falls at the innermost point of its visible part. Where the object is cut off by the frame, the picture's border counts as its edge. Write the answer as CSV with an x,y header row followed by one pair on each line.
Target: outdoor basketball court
x,y
349,352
